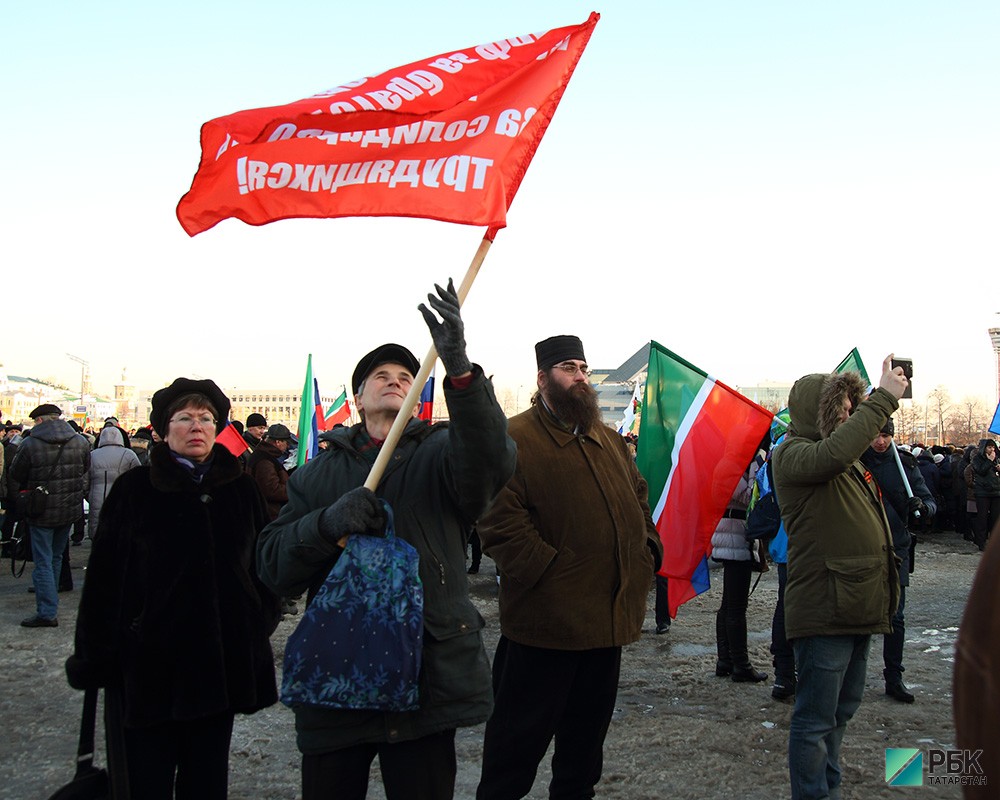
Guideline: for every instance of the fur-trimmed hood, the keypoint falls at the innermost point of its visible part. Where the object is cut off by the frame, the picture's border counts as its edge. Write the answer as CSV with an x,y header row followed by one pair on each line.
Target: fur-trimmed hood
x,y
816,400
981,447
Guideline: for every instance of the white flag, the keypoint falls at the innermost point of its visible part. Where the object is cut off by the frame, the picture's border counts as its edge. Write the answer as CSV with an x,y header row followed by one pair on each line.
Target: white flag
x,y
627,424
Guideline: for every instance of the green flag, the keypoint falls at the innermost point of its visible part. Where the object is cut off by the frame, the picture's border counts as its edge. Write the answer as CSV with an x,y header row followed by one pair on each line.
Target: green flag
x,y
853,363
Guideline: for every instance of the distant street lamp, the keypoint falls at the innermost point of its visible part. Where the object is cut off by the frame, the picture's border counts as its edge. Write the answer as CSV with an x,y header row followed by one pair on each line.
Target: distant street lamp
x,y
995,338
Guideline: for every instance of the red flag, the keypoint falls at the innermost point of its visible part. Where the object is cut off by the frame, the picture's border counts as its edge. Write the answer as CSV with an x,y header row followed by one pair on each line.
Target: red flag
x,y
448,138
230,439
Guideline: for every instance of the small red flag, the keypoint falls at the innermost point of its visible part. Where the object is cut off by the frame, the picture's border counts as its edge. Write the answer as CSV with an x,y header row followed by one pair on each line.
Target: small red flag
x,y
230,439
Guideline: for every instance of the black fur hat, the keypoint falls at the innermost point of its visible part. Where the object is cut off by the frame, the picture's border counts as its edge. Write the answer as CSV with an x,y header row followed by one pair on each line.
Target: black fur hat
x,y
163,399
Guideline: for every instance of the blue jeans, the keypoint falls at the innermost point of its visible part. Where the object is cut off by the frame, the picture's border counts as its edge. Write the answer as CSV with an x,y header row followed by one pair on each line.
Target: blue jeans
x,y
831,680
47,546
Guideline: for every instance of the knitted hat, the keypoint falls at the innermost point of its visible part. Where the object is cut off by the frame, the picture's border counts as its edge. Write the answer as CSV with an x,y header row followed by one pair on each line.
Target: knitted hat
x,y
256,421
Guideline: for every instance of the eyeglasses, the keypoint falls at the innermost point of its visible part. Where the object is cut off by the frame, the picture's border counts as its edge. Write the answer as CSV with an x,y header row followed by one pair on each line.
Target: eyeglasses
x,y
205,420
572,369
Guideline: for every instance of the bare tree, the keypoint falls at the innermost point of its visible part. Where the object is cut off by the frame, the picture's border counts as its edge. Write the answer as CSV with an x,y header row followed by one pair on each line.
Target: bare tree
x,y
909,422
507,402
938,407
967,423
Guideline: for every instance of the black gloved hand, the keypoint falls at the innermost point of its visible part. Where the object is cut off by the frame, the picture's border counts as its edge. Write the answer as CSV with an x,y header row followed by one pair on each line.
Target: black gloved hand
x,y
357,511
916,508
449,334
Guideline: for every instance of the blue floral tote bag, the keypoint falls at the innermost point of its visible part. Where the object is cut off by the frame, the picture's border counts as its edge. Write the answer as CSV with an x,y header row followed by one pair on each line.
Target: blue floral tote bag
x,y
359,643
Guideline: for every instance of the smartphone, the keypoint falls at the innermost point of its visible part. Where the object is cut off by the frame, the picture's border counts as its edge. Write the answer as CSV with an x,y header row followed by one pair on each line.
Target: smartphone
x,y
907,365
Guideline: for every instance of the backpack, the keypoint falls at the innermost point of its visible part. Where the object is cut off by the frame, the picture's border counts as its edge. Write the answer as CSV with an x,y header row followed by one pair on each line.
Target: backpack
x,y
763,517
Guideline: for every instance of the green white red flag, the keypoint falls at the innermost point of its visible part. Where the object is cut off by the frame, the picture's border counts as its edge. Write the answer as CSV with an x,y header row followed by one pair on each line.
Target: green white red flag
x,y
338,412
447,137
696,438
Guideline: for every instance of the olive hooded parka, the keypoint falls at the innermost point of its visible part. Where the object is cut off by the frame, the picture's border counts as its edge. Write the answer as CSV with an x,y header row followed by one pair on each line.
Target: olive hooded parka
x,y
842,572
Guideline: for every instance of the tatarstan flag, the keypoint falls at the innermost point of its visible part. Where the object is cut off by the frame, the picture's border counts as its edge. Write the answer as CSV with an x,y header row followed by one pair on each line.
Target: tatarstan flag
x,y
338,412
696,438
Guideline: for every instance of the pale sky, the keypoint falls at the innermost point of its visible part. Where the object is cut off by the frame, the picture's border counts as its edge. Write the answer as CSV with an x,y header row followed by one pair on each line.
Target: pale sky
x,y
827,169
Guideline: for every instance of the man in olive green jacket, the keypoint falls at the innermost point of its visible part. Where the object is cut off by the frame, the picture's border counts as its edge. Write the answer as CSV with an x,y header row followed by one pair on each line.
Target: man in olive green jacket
x,y
843,584
576,548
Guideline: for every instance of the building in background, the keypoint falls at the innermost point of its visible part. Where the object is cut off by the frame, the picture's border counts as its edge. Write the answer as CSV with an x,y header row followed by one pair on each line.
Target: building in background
x,y
615,386
277,405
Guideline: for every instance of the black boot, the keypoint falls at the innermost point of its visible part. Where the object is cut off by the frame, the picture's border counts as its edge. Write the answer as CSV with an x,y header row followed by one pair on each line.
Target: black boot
x,y
784,687
743,670
897,691
724,663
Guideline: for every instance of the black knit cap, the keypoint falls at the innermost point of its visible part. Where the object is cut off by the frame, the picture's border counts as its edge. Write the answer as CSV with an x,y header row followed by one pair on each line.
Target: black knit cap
x,y
889,427
555,349
256,421
163,399
383,354
45,410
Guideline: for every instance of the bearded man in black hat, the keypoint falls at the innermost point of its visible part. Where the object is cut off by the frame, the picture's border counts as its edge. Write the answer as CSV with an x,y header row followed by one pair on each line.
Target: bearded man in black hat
x,y
56,459
441,478
576,549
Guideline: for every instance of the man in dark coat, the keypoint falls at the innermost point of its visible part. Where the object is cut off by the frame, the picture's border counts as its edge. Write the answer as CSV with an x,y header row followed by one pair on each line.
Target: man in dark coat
x,y
255,430
267,469
266,466
899,510
11,441
57,459
576,548
440,479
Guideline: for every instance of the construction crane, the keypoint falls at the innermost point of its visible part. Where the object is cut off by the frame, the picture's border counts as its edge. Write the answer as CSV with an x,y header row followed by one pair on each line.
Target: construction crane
x,y
84,368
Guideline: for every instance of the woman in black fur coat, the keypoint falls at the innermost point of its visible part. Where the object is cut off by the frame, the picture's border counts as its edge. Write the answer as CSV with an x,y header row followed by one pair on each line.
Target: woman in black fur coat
x,y
172,614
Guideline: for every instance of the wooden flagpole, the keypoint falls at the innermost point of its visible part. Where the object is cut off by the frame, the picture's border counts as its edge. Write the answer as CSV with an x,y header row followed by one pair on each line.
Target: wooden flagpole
x,y
413,396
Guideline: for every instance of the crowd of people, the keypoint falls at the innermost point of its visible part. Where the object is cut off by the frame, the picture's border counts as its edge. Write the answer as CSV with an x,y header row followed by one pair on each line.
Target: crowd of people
x,y
196,553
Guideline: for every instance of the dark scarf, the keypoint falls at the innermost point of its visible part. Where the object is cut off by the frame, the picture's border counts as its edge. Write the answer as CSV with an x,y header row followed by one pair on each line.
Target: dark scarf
x,y
195,470
367,447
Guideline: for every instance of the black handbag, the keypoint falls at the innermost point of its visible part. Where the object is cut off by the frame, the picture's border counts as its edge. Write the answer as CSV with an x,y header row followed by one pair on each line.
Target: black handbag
x,y
20,548
31,503
90,782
